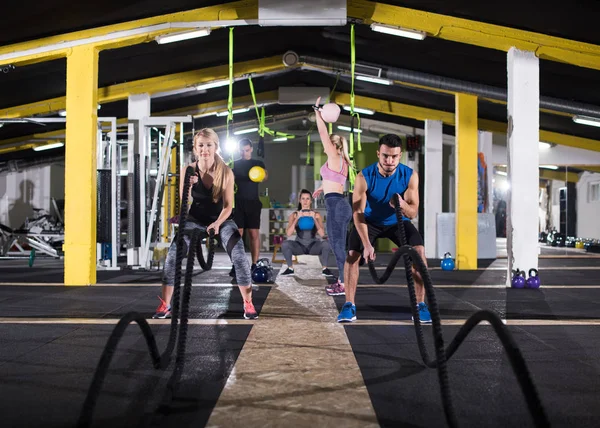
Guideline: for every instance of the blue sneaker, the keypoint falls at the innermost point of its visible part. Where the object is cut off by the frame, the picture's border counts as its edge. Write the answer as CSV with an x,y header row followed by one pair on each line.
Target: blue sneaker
x,y
348,313
424,314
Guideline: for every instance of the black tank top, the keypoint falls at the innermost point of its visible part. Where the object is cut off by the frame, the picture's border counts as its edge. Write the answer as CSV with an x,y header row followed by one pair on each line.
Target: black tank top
x,y
203,210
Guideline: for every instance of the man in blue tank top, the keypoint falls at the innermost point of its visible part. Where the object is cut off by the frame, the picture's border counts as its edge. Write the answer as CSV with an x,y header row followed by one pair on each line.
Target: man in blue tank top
x,y
375,217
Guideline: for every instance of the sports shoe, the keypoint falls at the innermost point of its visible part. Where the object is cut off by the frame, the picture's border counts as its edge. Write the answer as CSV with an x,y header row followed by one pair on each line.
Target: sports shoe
x,y
288,271
335,289
326,272
424,314
163,311
249,311
348,313
232,272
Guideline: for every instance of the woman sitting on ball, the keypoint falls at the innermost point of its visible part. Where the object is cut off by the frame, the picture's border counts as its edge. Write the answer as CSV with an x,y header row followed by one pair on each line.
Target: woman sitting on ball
x,y
306,224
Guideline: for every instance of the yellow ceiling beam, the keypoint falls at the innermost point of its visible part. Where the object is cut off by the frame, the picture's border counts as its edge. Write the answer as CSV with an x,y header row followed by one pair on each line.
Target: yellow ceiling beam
x,y
123,34
549,174
422,113
381,106
151,86
478,33
19,143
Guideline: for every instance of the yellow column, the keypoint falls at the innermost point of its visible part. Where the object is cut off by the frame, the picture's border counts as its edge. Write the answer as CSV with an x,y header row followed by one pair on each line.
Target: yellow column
x,y
466,181
80,166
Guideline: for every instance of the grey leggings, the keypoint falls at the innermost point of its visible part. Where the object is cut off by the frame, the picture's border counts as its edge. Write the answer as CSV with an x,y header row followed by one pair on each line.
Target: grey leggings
x,y
232,243
291,248
339,214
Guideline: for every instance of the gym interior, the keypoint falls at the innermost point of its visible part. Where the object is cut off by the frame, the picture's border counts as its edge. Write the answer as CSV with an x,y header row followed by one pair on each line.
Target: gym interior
x,y
498,117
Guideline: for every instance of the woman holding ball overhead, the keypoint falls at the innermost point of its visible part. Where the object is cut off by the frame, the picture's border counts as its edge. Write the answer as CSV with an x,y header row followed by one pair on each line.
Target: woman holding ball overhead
x,y
334,174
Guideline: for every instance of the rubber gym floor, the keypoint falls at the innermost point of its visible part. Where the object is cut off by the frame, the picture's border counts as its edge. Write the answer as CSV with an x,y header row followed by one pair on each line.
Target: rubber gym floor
x,y
295,366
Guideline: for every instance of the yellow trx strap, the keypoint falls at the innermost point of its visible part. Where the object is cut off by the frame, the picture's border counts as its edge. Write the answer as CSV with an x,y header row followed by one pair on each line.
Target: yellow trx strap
x,y
352,170
308,149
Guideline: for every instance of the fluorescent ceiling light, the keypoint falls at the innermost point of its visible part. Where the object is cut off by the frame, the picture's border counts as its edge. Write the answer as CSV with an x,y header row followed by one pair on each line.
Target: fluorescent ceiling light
x,y
544,146
359,110
186,35
245,131
48,146
236,111
397,31
549,167
585,120
280,139
373,79
62,113
501,173
347,128
215,84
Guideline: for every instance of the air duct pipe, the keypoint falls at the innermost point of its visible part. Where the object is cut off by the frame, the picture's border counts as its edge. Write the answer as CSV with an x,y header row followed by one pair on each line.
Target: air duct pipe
x,y
444,83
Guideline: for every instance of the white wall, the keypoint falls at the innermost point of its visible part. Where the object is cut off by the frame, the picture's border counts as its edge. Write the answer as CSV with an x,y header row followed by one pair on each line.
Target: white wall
x,y
588,218
21,192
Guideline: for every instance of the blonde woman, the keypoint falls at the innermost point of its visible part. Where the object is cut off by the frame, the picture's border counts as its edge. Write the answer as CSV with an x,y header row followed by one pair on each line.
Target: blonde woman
x,y
211,193
334,174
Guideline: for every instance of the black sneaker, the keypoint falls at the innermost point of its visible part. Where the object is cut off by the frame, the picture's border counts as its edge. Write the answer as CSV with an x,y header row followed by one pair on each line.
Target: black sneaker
x,y
326,272
288,271
232,272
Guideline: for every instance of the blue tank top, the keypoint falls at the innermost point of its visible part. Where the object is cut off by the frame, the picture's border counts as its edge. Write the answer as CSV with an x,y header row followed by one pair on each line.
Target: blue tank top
x,y
380,190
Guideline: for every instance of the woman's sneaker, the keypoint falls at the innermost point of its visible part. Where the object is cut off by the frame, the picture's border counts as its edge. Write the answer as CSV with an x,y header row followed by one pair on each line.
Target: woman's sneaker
x,y
326,272
335,289
249,311
163,311
288,271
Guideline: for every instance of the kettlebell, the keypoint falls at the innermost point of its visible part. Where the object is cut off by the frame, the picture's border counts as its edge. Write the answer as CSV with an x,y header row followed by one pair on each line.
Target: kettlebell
x,y
447,262
534,280
518,279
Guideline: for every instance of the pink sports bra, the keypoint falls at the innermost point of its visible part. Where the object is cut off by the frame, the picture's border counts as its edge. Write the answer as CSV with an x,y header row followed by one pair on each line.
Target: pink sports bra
x,y
336,177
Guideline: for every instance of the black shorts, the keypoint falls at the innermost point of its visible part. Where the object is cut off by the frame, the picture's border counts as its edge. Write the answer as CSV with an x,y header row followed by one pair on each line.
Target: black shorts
x,y
246,213
413,237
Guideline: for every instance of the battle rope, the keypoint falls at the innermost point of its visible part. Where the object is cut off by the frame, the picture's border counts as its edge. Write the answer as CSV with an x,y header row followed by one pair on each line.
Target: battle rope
x,y
442,356
159,361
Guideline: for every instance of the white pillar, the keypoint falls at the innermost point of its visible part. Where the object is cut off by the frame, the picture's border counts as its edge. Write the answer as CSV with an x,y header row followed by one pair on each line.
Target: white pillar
x,y
138,109
523,160
433,184
485,147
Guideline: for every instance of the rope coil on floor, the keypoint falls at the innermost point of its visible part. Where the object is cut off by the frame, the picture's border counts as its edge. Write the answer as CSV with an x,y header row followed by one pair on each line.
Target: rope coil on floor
x,y
159,361
442,356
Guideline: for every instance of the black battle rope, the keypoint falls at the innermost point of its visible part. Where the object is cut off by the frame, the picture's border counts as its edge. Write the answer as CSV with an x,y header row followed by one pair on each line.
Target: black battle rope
x,y
510,346
159,361
206,264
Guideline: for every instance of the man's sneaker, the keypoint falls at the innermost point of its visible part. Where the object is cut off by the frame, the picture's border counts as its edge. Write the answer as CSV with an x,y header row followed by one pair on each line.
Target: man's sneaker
x,y
249,311
163,311
288,271
232,272
326,272
335,289
348,313
424,314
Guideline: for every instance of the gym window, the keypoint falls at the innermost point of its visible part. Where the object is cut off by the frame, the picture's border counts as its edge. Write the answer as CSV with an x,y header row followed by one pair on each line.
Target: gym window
x,y
594,192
